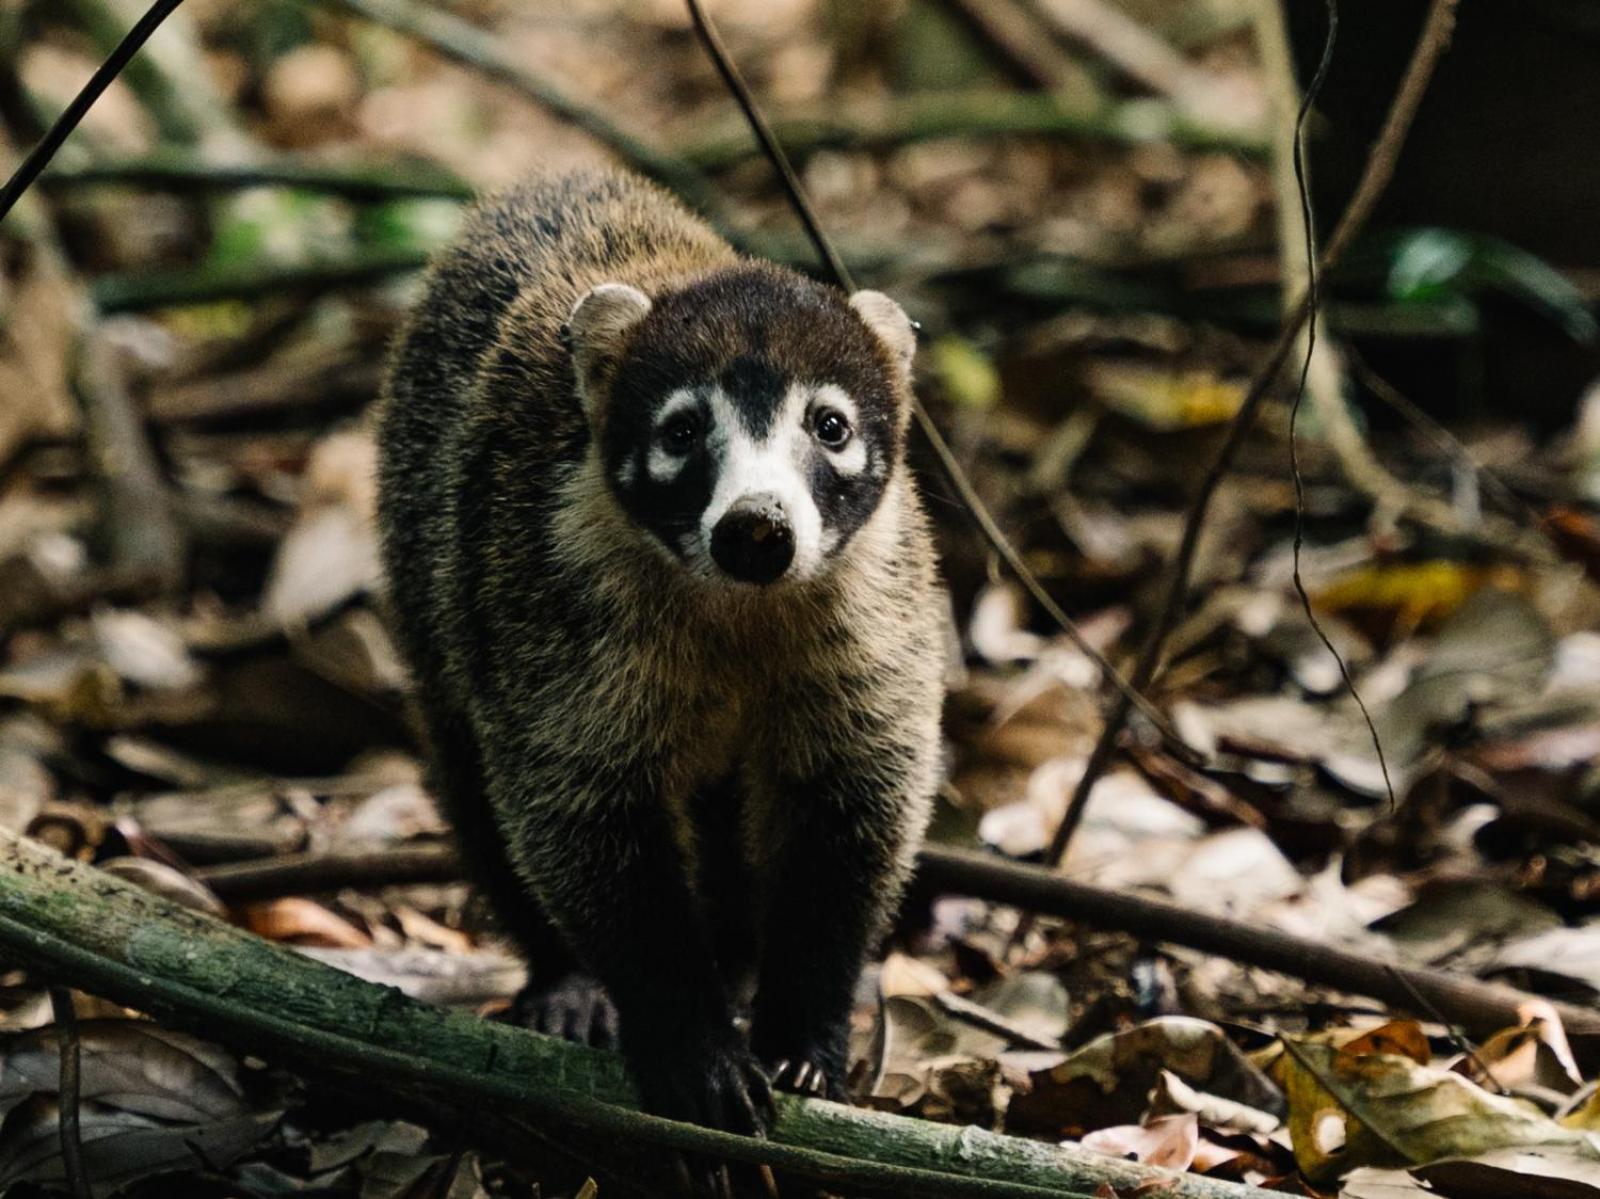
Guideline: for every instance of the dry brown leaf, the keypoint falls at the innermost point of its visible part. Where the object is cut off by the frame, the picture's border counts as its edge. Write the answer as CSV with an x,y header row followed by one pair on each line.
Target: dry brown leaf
x,y
1403,1038
1169,1141
1109,1081
301,922
1380,1109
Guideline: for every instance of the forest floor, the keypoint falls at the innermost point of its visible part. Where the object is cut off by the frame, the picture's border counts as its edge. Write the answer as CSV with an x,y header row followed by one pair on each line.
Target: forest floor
x,y
195,672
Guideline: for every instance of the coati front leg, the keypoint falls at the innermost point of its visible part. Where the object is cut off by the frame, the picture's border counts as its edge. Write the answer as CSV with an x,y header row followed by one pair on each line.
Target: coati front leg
x,y
844,834
559,999
595,842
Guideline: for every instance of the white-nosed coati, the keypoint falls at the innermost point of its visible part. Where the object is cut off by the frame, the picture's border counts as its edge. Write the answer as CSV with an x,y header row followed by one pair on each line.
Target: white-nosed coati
x,y
671,604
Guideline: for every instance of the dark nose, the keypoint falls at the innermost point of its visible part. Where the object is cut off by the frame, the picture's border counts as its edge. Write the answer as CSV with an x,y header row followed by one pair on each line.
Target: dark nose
x,y
753,541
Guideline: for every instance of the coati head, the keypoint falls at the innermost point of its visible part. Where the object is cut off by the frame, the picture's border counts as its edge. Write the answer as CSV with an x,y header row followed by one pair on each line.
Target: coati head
x,y
749,421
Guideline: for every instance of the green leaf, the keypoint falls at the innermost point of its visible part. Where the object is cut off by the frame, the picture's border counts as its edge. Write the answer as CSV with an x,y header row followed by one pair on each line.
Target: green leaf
x,y
966,374
1430,265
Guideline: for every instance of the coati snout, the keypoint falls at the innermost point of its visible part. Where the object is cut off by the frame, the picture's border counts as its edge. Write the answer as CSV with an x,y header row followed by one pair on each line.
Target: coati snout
x,y
753,541
747,421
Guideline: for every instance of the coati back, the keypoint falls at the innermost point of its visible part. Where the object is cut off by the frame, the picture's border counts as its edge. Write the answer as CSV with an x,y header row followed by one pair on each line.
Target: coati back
x,y
670,601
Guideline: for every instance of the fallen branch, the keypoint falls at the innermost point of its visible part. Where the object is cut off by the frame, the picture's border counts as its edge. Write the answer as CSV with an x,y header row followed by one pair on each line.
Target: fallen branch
x,y
1480,1007
80,926
308,873
1431,44
180,170
906,119
486,54
139,291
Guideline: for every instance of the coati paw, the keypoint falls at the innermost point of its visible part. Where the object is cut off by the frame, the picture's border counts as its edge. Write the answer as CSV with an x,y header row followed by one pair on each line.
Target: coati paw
x,y
720,1085
575,1008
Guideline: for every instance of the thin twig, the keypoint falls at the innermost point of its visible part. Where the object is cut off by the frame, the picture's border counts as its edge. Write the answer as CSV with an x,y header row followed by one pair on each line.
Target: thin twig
x,y
1430,1009
941,448
769,142
1431,44
1387,393
140,291
22,178
486,53
1324,375
1313,292
69,1049
1122,41
306,873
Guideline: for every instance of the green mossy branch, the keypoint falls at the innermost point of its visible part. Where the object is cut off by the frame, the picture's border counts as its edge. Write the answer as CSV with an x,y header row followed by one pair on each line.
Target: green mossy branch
x,y
80,926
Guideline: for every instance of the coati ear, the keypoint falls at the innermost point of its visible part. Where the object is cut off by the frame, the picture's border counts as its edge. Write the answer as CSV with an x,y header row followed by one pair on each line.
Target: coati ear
x,y
889,321
599,320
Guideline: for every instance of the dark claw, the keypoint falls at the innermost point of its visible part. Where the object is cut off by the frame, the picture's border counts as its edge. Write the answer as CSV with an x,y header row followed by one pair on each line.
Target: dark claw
x,y
715,1083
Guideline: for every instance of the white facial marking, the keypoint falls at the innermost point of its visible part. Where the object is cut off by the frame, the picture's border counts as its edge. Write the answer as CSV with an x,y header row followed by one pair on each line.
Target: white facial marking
x,y
663,465
852,459
773,465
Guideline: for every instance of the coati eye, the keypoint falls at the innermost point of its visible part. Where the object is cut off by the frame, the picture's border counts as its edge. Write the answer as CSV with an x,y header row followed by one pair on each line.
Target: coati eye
x,y
831,428
681,432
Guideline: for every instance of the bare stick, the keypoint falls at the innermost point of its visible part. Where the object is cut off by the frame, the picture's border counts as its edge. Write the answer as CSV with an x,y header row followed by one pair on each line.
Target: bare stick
x,y
180,170
769,142
140,291
300,874
58,133
1479,1007
1122,41
69,1052
143,537
1448,442
957,477
1313,285
1431,44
